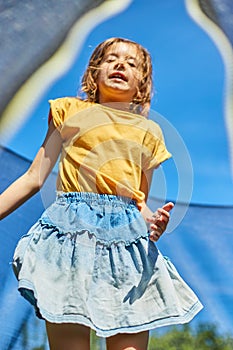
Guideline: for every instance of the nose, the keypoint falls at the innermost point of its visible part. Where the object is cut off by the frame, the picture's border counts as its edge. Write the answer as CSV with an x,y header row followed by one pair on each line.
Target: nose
x,y
119,65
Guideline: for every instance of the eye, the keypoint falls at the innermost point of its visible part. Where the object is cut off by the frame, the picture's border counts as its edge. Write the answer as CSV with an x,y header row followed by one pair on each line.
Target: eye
x,y
109,60
131,64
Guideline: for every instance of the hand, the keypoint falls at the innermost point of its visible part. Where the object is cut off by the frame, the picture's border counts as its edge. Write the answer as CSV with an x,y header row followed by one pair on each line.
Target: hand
x,y
159,221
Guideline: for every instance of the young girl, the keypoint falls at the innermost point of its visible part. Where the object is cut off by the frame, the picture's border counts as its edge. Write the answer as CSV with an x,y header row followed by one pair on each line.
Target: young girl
x,y
90,261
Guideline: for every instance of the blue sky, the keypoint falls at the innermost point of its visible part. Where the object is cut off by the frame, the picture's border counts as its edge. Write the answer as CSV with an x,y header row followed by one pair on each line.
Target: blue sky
x,y
188,100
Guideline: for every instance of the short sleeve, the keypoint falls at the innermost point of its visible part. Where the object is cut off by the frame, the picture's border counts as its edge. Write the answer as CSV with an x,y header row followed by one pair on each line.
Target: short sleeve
x,y
58,111
154,147
64,108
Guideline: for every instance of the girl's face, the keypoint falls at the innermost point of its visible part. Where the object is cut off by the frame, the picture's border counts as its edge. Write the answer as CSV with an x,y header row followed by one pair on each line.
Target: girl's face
x,y
119,74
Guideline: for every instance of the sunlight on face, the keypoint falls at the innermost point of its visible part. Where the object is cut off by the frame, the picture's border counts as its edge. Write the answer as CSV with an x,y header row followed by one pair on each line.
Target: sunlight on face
x,y
120,73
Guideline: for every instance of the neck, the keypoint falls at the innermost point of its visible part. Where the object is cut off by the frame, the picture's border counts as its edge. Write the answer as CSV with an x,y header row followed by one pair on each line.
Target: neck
x,y
124,106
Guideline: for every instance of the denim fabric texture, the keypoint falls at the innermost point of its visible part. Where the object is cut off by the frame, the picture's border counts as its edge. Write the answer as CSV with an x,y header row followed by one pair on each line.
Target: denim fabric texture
x,y
89,260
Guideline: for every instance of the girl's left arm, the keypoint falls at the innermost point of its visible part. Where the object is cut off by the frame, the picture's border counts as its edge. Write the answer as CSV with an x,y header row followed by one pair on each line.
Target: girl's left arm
x,y
33,179
159,219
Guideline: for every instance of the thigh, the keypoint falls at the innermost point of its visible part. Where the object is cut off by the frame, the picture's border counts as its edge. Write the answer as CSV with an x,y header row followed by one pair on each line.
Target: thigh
x,y
68,336
136,341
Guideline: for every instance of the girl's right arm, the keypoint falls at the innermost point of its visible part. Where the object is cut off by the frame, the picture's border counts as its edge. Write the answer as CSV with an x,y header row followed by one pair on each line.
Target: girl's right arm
x,y
33,179
158,220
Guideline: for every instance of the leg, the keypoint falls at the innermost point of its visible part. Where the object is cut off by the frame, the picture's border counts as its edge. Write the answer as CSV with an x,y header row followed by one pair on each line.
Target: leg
x,y
68,336
137,341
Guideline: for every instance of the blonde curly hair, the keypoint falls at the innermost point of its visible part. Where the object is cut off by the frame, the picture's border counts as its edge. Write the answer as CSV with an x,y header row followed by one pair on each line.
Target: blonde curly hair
x,y
89,80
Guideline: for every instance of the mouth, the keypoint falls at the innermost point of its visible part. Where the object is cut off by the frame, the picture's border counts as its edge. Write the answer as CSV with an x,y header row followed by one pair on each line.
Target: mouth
x,y
118,75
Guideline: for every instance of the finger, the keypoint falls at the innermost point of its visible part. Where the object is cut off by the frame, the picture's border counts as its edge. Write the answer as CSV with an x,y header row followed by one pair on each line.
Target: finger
x,y
154,237
162,217
152,219
155,217
168,206
161,211
158,228
154,229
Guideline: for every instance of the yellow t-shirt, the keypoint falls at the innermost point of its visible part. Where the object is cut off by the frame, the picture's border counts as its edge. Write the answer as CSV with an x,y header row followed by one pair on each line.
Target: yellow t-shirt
x,y
105,150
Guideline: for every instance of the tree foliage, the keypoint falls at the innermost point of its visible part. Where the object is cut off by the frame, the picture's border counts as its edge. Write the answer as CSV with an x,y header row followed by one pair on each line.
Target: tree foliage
x,y
204,337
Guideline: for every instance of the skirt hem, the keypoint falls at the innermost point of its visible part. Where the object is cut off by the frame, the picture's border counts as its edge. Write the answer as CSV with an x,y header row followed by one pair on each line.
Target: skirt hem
x,y
27,290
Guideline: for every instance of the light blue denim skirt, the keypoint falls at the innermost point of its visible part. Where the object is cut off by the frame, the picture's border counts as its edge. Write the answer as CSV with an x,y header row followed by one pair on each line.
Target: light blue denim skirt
x,y
88,260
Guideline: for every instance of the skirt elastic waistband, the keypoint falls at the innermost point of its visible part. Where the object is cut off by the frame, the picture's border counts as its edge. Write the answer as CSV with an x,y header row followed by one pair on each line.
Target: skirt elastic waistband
x,y
70,197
